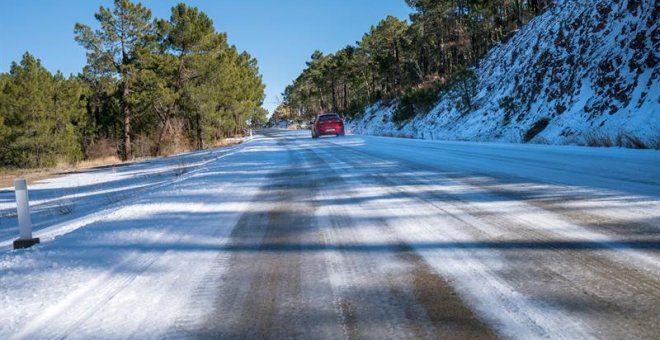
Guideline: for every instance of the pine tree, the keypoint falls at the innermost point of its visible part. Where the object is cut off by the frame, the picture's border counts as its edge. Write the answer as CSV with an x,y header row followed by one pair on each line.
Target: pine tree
x,y
125,32
70,108
4,130
397,59
37,110
145,82
189,35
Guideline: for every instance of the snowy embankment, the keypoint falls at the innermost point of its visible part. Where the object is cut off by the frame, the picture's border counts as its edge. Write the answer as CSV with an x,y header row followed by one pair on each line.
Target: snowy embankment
x,y
589,69
115,241
71,198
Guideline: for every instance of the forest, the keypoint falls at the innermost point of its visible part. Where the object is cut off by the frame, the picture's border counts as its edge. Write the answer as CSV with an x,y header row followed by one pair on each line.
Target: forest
x,y
150,87
413,61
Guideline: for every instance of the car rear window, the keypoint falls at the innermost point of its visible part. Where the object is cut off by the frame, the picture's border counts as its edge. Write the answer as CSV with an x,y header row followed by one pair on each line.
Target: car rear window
x,y
327,117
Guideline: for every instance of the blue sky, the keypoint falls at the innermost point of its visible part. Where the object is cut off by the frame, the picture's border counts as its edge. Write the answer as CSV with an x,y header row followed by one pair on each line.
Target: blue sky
x,y
281,34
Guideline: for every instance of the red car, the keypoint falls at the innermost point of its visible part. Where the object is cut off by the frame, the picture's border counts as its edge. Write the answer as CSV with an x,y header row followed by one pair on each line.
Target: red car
x,y
327,124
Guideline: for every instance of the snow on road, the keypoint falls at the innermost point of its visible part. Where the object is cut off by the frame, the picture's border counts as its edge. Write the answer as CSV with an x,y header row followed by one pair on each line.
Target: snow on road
x,y
126,270
285,236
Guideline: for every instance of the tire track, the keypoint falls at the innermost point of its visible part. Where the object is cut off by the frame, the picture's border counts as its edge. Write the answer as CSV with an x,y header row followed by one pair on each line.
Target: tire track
x,y
616,276
411,300
268,288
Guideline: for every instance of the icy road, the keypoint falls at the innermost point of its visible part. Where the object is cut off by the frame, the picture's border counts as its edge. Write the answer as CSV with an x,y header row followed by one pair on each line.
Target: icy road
x,y
352,237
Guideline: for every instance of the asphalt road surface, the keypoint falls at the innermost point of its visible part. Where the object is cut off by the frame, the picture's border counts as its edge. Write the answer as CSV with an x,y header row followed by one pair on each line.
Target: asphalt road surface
x,y
349,237
379,238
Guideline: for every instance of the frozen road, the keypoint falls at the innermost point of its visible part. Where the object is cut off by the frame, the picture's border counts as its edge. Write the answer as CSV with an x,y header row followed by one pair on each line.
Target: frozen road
x,y
351,237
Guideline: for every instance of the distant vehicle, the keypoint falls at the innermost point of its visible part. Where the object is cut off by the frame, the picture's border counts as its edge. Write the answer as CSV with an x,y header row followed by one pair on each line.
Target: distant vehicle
x,y
327,124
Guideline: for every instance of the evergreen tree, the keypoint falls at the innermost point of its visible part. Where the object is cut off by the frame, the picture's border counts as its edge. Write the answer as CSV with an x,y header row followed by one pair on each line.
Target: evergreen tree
x,y
114,49
188,32
213,88
146,83
396,59
103,109
4,130
37,110
70,111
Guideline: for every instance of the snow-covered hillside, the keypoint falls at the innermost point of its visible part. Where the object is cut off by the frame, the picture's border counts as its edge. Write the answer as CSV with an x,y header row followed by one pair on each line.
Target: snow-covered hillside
x,y
584,72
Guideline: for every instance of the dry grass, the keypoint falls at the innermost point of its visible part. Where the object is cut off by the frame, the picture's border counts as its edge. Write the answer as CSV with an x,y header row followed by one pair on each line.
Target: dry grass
x,y
227,142
598,140
631,141
541,140
102,148
7,176
173,150
398,135
623,139
91,163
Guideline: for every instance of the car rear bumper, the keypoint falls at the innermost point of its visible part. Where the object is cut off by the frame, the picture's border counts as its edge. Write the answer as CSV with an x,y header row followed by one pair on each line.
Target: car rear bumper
x,y
331,131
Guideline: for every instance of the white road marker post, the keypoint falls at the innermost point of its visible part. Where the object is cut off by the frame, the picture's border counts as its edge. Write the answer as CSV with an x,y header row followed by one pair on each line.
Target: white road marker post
x,y
23,210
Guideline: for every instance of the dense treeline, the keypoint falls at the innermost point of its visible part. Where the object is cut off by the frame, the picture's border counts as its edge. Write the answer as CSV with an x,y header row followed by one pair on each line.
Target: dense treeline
x,y
42,116
150,87
411,61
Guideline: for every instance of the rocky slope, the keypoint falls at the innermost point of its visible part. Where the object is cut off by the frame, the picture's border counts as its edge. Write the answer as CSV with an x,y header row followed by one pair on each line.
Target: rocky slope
x,y
584,72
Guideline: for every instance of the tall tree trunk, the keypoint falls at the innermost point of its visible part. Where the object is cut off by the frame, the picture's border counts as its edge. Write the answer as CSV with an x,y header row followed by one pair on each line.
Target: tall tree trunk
x,y
368,87
345,96
334,96
399,73
237,121
128,151
161,135
519,19
126,110
200,137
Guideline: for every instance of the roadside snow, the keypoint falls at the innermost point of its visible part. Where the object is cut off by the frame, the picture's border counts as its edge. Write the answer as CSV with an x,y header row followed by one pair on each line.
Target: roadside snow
x,y
586,66
519,231
468,227
63,204
114,269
